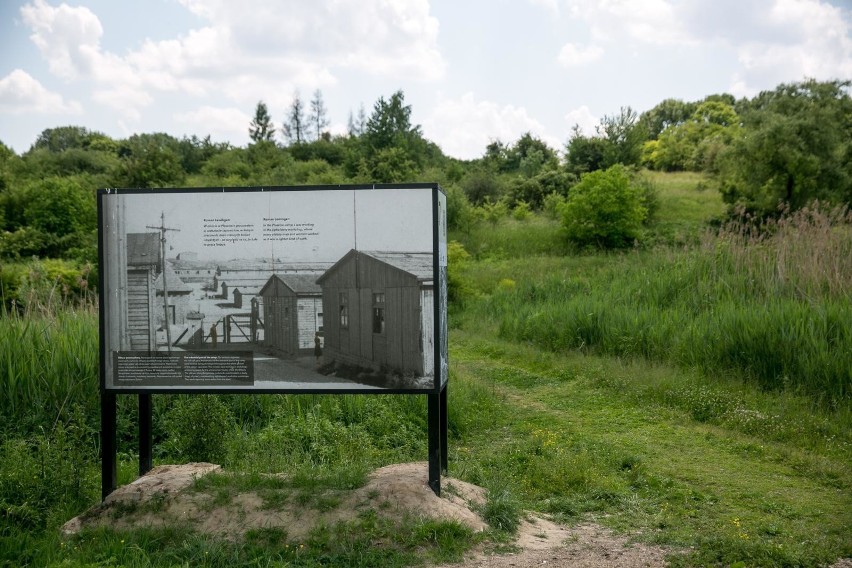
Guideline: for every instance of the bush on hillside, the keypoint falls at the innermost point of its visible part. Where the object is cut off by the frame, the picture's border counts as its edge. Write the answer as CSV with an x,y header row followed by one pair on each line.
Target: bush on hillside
x,y
605,210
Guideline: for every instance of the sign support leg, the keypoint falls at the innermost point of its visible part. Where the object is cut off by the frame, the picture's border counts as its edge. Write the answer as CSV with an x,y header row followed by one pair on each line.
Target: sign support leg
x,y
146,440
435,460
444,419
108,447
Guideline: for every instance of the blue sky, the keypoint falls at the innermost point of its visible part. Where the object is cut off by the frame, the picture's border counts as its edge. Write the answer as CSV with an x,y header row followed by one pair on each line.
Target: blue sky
x,y
473,70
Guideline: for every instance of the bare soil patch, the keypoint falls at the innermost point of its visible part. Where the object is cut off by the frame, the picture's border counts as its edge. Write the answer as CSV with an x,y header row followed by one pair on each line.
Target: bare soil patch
x,y
166,496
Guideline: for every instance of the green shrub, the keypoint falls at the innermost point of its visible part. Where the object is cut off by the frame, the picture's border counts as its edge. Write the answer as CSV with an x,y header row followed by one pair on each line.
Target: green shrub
x,y
481,185
521,211
551,204
46,285
460,213
458,288
493,212
604,210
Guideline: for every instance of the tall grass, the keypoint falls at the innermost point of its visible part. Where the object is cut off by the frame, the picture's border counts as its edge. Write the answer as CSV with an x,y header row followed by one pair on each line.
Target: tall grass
x,y
507,237
48,364
806,254
769,302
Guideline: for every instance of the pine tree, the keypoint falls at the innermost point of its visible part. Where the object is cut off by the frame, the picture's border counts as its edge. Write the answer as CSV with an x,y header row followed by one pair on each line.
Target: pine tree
x,y
261,126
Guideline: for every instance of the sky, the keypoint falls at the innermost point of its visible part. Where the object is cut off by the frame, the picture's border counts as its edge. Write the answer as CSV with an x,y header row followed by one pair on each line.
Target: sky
x,y
473,71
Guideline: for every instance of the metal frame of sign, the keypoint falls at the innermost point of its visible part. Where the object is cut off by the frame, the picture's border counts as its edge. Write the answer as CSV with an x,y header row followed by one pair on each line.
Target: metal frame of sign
x,y
179,368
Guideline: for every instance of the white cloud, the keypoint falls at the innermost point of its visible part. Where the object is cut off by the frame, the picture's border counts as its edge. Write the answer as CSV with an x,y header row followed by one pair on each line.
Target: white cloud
x,y
572,55
583,118
67,37
125,99
648,21
821,46
773,41
20,93
221,123
776,41
550,5
464,127
382,37
245,50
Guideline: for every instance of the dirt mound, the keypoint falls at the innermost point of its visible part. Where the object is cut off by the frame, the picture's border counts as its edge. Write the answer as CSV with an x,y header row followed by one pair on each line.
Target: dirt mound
x,y
168,495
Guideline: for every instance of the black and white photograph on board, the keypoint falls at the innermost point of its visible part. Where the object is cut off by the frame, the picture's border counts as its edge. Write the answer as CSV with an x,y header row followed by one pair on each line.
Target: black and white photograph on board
x,y
274,289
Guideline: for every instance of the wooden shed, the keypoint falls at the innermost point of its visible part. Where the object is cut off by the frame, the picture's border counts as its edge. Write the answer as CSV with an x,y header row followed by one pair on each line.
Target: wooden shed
x,y
379,310
292,313
143,261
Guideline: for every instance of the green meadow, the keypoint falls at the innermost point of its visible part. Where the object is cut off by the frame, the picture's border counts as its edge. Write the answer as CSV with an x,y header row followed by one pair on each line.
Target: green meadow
x,y
694,394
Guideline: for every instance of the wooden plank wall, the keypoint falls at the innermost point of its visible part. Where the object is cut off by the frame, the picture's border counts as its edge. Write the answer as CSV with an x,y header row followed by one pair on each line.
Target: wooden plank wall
x,y
427,333
399,348
308,310
140,301
280,319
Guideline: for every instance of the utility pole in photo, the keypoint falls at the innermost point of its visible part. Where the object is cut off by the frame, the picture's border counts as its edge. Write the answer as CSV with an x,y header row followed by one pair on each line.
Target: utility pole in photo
x,y
162,228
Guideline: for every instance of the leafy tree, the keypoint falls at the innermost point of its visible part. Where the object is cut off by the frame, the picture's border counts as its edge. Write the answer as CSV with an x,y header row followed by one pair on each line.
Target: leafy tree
x,y
529,155
194,152
294,127
319,114
604,210
533,191
25,242
150,160
694,144
61,206
48,217
332,150
460,213
42,163
232,164
388,165
482,185
496,155
584,153
261,127
796,148
64,138
69,150
624,136
668,113
389,128
269,164
9,163
390,125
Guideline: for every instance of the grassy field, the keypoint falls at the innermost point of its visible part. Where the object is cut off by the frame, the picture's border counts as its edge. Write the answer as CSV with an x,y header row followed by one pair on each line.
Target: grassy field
x,y
651,391
646,449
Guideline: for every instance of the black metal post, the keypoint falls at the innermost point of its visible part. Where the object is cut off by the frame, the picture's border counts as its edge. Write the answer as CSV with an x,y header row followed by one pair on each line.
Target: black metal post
x,y
146,439
444,419
108,448
434,419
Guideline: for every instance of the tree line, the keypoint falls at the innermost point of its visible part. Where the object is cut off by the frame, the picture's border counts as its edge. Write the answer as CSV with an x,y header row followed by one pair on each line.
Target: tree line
x,y
780,149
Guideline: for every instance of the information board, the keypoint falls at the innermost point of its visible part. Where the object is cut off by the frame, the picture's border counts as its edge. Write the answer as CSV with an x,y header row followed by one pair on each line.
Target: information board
x,y
274,289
